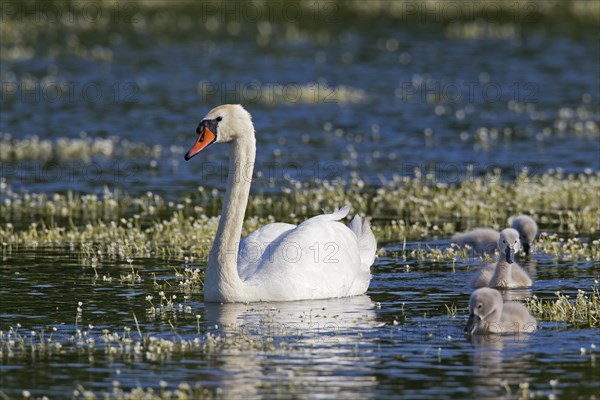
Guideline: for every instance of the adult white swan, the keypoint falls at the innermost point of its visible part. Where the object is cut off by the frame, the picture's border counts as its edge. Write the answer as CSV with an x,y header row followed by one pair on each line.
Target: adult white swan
x,y
320,258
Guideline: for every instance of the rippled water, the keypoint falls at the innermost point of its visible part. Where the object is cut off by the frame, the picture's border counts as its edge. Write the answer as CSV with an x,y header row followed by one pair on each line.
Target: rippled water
x,y
422,97
372,95
397,339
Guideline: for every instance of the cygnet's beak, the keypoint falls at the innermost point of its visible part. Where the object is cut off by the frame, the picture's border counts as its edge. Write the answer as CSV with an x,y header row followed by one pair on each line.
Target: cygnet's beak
x,y
471,325
510,254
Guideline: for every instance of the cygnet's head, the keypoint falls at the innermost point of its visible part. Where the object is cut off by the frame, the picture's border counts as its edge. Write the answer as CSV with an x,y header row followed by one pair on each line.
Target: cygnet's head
x,y
222,124
509,244
527,229
483,303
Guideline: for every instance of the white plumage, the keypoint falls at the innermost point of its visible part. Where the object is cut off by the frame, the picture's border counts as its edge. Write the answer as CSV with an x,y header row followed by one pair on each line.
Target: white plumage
x,y
320,258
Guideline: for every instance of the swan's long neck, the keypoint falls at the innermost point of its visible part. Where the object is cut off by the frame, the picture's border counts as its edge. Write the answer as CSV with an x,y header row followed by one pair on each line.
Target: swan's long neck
x,y
222,281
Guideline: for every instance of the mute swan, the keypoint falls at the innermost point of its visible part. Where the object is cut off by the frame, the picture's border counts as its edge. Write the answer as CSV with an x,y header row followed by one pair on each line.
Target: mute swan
x,y
505,273
483,240
320,258
489,314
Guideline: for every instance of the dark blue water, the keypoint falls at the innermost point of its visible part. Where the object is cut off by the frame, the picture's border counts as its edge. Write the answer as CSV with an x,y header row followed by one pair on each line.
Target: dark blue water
x,y
339,92
423,98
398,339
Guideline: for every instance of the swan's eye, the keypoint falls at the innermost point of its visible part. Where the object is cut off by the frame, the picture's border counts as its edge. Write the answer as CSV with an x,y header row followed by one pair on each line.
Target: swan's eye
x,y
504,241
219,119
479,306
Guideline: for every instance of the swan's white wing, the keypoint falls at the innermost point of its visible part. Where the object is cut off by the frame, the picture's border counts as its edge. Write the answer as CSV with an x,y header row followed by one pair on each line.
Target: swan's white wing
x,y
319,258
253,246
367,244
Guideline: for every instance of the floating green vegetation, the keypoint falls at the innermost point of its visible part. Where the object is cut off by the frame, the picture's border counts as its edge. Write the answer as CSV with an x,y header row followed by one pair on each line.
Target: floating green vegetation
x,y
129,343
82,148
584,310
117,225
422,206
183,391
175,237
488,10
27,26
132,343
570,249
147,14
446,254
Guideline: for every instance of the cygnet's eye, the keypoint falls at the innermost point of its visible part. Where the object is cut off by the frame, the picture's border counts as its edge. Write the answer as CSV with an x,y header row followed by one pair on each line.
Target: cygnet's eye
x,y
503,241
479,306
219,119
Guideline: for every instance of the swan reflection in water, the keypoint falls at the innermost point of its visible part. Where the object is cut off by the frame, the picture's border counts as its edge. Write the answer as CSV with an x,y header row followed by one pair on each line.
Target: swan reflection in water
x,y
500,360
516,294
301,347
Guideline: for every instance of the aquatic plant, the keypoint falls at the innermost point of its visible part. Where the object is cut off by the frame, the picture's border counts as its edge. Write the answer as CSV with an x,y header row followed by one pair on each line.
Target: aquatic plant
x,y
477,10
125,342
553,198
583,310
34,148
183,391
451,254
117,225
122,344
569,249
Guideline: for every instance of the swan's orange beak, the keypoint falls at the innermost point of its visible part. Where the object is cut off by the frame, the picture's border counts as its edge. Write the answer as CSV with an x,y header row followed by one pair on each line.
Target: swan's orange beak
x,y
205,137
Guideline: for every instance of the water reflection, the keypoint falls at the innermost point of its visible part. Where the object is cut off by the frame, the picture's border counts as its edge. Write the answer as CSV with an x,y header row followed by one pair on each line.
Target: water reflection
x,y
499,361
515,294
529,264
304,346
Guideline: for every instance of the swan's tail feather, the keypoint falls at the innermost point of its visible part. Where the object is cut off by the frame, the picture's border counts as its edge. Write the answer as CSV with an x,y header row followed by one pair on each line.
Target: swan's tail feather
x,y
339,213
367,244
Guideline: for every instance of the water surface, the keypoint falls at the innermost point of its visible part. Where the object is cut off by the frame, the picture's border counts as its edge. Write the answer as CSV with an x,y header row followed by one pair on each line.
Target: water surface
x,y
359,92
